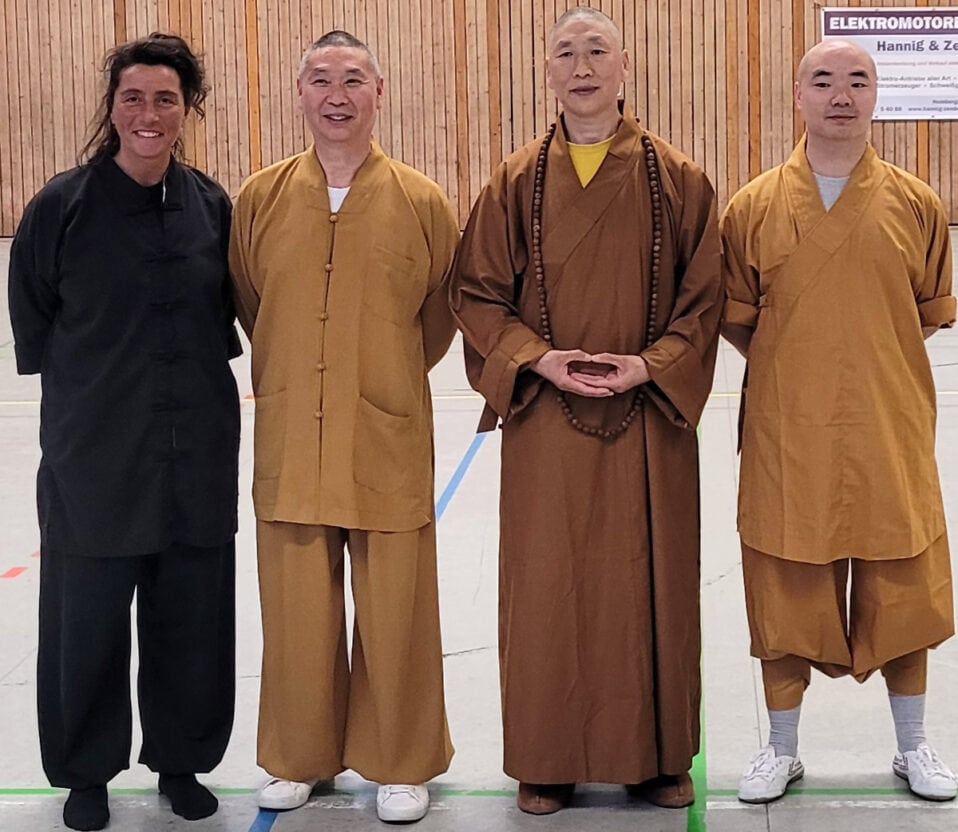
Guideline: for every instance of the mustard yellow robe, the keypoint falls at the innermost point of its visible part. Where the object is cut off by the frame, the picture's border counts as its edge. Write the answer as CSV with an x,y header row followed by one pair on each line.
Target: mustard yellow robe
x,y
599,541
838,431
346,313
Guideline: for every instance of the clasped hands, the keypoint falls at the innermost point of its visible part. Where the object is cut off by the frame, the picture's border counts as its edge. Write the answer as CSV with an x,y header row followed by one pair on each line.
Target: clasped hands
x,y
564,369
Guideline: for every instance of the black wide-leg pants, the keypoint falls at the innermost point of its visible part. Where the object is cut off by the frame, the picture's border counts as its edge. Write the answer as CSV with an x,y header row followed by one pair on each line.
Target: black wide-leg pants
x,y
186,677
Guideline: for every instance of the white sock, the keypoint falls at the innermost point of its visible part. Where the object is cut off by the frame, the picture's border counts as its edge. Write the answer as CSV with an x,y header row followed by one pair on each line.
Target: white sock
x,y
783,731
909,715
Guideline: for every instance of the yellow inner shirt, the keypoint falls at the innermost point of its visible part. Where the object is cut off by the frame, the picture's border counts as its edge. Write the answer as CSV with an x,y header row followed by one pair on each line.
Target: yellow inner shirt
x,y
587,158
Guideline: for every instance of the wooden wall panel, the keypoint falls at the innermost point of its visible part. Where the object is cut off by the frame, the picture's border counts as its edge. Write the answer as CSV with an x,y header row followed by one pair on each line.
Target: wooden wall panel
x,y
7,140
464,83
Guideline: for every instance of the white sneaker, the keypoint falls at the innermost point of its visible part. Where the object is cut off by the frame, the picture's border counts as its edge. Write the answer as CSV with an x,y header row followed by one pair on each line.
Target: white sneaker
x,y
767,776
282,794
402,803
927,775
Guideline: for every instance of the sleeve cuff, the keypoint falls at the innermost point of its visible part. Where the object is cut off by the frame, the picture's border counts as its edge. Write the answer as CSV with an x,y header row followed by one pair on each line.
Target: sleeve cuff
x,y
937,312
498,379
29,359
679,387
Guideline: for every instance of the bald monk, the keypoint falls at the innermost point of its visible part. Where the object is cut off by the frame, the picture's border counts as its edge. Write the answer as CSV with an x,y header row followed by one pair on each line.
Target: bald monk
x,y
837,264
588,290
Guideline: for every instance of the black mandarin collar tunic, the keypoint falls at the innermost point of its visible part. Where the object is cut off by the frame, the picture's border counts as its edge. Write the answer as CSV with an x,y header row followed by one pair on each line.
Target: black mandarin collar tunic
x,y
119,298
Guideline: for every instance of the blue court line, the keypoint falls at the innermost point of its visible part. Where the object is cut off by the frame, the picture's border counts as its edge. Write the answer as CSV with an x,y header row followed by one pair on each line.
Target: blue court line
x,y
265,819
458,474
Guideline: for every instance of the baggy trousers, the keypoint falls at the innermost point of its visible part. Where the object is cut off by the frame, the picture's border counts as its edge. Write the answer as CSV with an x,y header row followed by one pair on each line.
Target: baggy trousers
x,y
385,715
185,612
799,618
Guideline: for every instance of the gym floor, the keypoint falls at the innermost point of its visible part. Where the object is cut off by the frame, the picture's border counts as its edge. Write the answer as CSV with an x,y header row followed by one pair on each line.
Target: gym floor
x,y
847,739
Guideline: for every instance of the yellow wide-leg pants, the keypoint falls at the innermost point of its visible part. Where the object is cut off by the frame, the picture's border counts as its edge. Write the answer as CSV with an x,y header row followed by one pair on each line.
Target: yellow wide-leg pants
x,y
384,716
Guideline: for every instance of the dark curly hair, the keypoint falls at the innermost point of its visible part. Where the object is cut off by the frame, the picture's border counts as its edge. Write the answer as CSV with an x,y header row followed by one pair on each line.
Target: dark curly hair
x,y
155,49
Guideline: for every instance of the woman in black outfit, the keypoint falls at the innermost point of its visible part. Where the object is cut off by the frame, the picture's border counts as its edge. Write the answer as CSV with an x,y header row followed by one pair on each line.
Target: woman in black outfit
x,y
119,299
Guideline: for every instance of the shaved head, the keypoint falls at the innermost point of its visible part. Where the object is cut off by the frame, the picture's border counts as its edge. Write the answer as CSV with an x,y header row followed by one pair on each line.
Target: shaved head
x,y
594,16
338,37
836,92
821,52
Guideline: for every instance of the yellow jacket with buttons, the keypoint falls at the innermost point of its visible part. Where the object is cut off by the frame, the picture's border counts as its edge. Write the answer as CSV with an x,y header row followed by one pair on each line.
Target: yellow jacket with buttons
x,y
346,313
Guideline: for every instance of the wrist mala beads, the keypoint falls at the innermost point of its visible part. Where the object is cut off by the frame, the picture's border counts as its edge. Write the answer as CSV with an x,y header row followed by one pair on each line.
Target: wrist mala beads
x,y
655,190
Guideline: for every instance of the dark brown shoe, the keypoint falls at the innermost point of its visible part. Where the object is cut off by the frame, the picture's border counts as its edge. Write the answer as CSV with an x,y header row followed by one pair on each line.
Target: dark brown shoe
x,y
544,798
670,791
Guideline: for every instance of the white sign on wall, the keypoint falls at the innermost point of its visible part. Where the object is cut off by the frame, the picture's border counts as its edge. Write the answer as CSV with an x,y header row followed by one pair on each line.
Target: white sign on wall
x,y
915,52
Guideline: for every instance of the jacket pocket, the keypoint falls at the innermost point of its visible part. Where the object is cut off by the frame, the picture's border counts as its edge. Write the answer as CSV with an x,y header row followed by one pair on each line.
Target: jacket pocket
x,y
384,449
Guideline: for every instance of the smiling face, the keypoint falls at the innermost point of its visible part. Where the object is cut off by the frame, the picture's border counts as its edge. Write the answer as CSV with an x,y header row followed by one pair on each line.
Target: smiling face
x,y
148,113
340,95
836,91
586,67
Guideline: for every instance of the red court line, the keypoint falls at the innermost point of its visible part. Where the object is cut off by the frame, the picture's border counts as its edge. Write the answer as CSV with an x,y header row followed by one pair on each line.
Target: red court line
x,y
12,573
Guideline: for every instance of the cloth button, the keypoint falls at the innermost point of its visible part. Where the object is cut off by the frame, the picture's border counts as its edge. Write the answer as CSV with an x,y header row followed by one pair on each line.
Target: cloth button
x,y
318,414
334,218
323,316
321,366
328,267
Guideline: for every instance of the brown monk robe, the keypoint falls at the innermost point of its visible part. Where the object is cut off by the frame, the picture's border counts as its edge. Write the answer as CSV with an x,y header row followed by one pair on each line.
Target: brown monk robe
x,y
599,545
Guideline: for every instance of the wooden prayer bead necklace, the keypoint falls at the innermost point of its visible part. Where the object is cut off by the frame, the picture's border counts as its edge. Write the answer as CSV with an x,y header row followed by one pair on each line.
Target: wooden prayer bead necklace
x,y
655,189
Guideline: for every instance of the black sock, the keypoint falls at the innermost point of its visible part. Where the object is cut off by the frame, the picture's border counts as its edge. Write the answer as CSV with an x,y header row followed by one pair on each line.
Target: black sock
x,y
188,799
87,809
